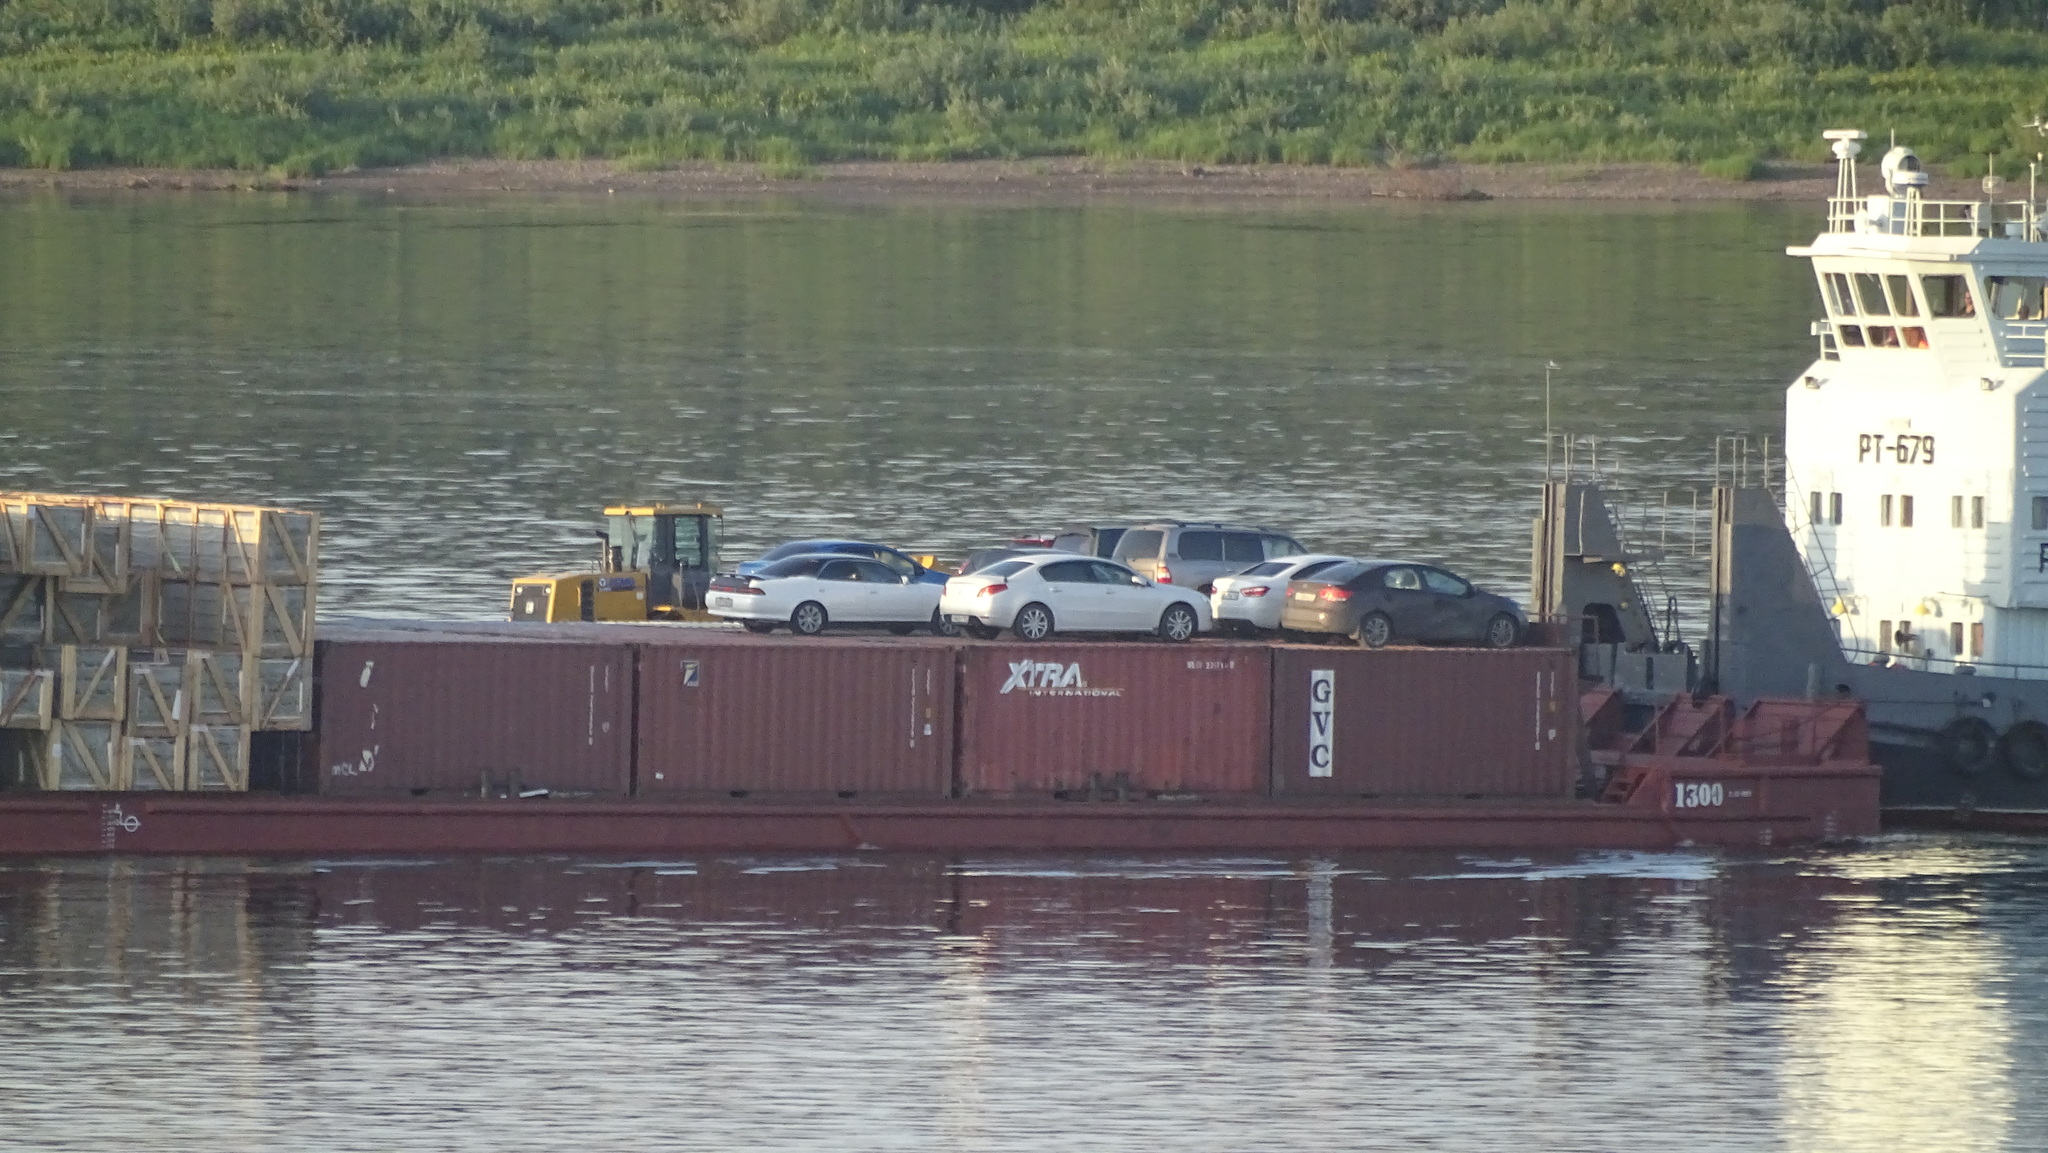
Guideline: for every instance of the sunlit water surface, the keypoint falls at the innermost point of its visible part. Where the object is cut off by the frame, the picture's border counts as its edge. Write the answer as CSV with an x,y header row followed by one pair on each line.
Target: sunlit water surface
x,y
1889,998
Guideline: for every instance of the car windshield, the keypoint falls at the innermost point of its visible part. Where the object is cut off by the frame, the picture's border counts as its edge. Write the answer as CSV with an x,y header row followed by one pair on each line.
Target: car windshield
x,y
1270,568
793,567
1008,568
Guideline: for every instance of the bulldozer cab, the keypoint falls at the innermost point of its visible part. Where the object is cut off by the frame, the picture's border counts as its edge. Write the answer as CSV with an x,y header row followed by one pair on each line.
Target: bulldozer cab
x,y
675,545
656,565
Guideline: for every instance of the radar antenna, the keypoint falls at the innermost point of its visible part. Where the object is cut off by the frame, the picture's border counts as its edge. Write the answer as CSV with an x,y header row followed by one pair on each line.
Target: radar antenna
x,y
1848,142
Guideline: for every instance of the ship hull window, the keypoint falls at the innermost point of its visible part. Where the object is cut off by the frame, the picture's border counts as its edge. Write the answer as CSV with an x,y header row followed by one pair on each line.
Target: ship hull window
x,y
1851,336
1955,512
1977,638
2017,297
1955,641
1976,512
1835,508
1870,294
2040,513
1815,518
1839,297
1905,512
1948,296
1884,510
1884,636
1914,336
1903,303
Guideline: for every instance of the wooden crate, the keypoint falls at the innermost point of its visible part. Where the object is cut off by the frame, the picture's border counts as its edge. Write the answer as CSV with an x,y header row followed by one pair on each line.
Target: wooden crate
x,y
279,620
153,763
22,609
92,681
281,697
27,698
44,537
80,755
107,550
73,618
218,684
157,692
198,614
217,758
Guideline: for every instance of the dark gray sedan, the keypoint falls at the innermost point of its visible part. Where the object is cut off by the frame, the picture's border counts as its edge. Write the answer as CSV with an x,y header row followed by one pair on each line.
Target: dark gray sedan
x,y
1378,602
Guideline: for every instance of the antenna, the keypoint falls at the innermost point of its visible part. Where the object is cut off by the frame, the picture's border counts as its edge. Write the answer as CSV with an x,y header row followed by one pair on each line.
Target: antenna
x,y
1847,143
1548,368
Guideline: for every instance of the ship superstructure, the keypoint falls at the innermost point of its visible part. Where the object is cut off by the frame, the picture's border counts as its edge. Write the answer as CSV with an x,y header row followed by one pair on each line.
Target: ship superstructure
x,y
1916,451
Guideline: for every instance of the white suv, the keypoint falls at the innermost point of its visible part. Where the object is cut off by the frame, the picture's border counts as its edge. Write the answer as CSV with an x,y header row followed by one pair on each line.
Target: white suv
x,y
1194,555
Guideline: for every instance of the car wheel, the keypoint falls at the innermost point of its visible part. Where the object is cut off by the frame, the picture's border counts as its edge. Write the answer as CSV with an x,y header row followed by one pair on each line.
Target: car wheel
x,y
759,626
1501,632
941,627
1178,623
808,620
1033,623
984,632
1375,631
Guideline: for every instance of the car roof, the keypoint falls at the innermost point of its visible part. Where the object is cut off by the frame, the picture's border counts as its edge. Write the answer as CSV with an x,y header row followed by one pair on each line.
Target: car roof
x,y
819,556
1217,524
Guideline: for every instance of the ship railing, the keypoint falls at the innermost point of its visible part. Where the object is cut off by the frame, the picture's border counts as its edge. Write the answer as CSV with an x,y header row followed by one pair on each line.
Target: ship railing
x,y
2026,345
1913,216
1928,663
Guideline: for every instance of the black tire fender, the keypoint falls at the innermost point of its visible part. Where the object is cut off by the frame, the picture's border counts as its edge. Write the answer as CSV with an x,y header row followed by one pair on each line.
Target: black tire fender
x,y
1967,746
2024,750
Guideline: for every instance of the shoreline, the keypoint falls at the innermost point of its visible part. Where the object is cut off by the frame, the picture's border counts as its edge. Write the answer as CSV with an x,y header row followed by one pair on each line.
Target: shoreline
x,y
1066,180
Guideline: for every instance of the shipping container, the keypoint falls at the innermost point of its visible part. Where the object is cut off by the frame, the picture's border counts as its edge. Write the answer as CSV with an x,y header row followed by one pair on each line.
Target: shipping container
x,y
1417,722
733,714
437,715
1127,719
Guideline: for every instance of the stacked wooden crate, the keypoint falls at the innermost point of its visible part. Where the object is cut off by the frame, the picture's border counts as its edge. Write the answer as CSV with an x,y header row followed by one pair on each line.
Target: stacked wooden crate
x,y
142,641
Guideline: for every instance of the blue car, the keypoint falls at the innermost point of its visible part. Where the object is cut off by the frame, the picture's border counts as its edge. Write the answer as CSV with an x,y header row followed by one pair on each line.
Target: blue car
x,y
900,563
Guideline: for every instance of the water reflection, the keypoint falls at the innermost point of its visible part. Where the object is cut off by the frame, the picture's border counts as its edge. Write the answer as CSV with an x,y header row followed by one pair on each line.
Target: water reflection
x,y
459,386
1883,999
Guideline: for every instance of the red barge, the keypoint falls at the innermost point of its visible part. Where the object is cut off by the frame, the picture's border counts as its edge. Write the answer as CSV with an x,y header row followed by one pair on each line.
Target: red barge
x,y
443,737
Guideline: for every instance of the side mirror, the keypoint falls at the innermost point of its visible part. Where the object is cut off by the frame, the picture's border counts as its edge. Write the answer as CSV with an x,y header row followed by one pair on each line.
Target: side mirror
x,y
903,580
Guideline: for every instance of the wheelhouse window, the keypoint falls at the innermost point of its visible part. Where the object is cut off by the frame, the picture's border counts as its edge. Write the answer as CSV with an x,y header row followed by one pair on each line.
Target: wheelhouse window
x,y
2017,297
1901,288
1948,296
1840,300
1913,336
1850,335
1883,336
1870,294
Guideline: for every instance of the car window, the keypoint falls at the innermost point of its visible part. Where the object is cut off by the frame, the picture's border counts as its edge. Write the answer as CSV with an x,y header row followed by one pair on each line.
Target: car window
x,y
1444,584
1071,542
1309,570
1106,540
1008,568
1401,578
880,573
801,566
1069,572
1339,573
1283,546
1243,547
1114,574
1139,544
1270,568
840,570
1200,544
900,565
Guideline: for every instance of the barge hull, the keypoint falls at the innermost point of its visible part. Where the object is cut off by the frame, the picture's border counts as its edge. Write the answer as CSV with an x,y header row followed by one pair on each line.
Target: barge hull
x,y
97,823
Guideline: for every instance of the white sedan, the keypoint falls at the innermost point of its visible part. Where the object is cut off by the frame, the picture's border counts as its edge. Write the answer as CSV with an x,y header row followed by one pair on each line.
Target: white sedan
x,y
1253,598
1037,596
808,593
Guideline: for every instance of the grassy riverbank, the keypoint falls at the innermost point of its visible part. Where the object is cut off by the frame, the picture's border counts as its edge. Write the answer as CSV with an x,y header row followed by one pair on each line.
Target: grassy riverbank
x,y
308,86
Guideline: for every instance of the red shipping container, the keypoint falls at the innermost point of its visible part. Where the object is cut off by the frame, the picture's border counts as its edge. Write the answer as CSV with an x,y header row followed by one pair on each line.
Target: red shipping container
x,y
434,714
738,714
1416,722
1037,719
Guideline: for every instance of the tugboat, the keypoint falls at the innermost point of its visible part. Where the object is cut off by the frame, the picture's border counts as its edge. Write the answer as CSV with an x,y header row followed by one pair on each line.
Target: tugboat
x,y
1908,567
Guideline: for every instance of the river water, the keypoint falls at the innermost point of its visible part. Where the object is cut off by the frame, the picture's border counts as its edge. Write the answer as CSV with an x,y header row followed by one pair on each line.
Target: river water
x,y
458,386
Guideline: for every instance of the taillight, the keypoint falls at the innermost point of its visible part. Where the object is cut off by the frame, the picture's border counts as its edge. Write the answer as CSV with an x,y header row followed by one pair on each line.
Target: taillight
x,y
991,590
1255,591
1165,576
1333,593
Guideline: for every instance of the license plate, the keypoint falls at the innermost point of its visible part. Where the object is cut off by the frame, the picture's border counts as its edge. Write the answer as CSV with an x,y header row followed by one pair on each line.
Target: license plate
x,y
1304,596
721,602
1230,594
957,618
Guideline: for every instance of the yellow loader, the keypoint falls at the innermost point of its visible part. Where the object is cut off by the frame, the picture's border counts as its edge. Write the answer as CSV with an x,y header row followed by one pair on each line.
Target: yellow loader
x,y
657,562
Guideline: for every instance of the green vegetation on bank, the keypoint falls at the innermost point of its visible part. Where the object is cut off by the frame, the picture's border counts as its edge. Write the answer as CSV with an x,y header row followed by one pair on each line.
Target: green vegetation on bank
x,y
315,85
